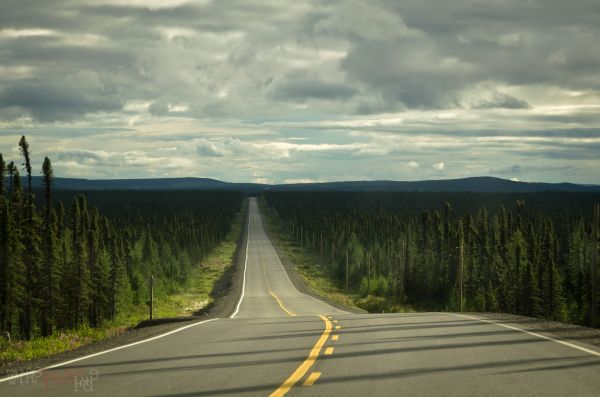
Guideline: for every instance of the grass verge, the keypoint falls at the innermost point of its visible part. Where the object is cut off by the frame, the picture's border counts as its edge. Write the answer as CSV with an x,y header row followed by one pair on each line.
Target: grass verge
x,y
195,297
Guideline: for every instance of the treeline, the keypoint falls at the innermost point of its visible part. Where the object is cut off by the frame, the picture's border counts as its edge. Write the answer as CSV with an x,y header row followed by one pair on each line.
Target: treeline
x,y
65,263
527,256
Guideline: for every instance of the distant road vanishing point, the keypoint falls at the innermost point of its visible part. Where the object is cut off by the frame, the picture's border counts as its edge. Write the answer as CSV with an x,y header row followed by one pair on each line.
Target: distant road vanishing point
x,y
280,341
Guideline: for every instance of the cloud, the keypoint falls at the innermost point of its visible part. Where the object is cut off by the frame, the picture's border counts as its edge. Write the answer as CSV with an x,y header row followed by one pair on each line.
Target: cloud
x,y
52,101
494,99
363,20
366,85
438,166
302,89
222,148
413,164
158,108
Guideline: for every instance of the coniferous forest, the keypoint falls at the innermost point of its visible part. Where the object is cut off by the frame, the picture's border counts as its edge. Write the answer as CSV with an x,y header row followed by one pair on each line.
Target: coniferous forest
x,y
527,254
78,258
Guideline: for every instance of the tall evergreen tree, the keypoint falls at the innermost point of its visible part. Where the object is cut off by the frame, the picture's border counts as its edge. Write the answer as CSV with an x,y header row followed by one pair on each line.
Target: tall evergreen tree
x,y
11,268
2,173
11,169
24,148
47,178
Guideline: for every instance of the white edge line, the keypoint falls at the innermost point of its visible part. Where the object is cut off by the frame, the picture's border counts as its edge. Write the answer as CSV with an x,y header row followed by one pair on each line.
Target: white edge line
x,y
237,307
283,267
105,351
562,342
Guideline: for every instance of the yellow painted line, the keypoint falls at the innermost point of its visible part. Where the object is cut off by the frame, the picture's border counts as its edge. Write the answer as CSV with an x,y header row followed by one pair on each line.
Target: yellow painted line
x,y
287,385
329,351
291,313
338,327
312,378
335,337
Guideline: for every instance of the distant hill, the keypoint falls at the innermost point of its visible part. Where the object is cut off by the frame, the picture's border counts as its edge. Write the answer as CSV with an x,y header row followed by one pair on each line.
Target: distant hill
x,y
148,184
475,184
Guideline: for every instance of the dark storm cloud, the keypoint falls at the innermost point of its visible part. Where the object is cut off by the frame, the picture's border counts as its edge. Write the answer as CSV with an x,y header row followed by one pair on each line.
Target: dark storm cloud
x,y
397,55
439,54
50,101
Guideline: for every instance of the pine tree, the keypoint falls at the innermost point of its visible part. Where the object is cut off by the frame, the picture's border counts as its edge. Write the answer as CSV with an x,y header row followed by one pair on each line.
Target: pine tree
x,y
11,268
10,170
24,148
79,268
50,275
2,173
48,176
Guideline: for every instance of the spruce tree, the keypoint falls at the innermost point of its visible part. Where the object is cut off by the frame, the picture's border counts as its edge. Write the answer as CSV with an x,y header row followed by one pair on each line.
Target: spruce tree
x,y
2,173
24,149
10,170
47,178
11,267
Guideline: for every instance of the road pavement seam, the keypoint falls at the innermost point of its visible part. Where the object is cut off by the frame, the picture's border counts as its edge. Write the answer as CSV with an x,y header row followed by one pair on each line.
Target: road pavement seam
x,y
105,351
287,385
237,307
562,342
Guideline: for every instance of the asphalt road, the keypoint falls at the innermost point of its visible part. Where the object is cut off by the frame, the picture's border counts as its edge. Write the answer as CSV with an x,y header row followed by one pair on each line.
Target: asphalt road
x,y
282,341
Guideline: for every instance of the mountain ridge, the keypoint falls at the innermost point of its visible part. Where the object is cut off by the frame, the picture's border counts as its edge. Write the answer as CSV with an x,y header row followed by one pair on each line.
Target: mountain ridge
x,y
470,184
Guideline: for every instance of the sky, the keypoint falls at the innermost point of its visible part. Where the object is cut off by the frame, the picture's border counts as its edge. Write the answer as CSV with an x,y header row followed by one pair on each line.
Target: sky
x,y
302,91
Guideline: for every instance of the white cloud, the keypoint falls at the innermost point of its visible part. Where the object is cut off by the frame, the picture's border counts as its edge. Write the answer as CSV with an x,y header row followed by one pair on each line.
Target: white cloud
x,y
413,164
438,166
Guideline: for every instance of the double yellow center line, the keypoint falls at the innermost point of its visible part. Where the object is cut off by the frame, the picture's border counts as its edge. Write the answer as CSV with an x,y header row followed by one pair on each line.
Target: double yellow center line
x,y
281,304
305,366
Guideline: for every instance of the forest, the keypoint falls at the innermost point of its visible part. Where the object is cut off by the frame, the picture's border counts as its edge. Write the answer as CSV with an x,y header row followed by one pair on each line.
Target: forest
x,y
72,258
526,253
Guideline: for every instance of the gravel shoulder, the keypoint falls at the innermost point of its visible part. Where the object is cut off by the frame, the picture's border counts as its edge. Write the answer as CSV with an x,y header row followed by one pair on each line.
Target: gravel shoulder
x,y
225,293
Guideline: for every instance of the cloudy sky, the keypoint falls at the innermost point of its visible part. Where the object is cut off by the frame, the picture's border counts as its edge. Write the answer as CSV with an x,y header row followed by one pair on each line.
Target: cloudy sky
x,y
289,91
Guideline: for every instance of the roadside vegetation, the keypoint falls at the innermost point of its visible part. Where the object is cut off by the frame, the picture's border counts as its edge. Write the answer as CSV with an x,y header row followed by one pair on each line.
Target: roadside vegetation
x,y
72,277
527,254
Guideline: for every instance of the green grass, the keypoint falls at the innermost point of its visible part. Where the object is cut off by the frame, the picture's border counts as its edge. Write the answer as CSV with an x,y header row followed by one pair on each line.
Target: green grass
x,y
19,351
184,303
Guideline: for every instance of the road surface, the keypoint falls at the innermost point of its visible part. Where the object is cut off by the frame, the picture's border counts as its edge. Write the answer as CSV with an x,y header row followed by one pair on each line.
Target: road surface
x,y
281,341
